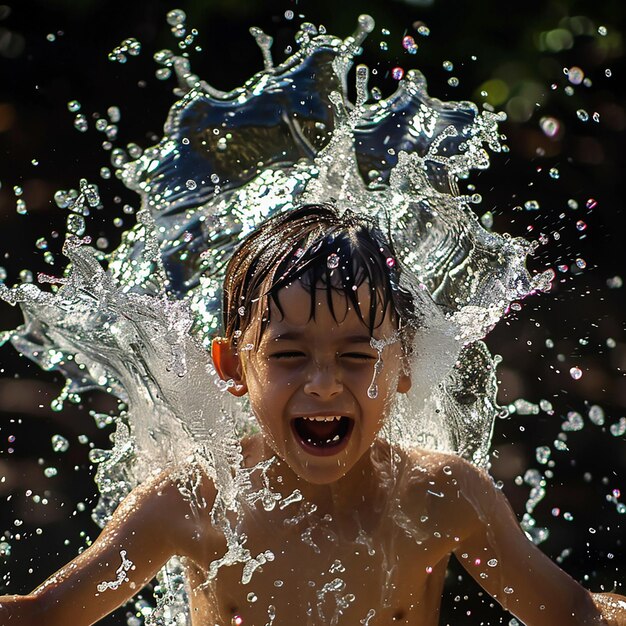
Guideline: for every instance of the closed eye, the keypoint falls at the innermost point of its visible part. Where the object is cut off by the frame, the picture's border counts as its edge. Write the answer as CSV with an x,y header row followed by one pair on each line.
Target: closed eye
x,y
362,356
287,354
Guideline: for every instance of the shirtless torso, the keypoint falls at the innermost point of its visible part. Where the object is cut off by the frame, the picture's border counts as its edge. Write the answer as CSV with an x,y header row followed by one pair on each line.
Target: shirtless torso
x,y
381,560
371,550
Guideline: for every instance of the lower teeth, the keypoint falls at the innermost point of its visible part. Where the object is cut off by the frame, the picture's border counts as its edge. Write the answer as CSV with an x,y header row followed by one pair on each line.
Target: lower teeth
x,y
323,443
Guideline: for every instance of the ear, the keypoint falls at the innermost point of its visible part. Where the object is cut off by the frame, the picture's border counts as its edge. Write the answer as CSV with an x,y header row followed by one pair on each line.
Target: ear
x,y
404,382
228,365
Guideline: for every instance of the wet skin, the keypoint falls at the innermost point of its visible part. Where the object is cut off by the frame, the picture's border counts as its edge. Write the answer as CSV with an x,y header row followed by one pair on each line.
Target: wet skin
x,y
373,533
321,367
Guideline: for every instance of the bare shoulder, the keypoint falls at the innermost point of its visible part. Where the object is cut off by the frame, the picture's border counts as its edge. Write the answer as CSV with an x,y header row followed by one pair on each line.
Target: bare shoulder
x,y
451,488
178,499
445,468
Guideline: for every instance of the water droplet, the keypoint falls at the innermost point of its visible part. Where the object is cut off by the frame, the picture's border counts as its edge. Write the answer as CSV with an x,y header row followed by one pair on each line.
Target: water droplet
x,y
236,620
176,17
408,43
132,46
575,75
397,73
75,224
453,81
26,276
60,443
486,219
241,310
574,421
332,262
492,562
251,597
550,126
582,115
448,66
619,428
581,263
531,205
5,549
80,123
591,203
111,133
554,173
576,373
608,73
372,391
580,225
391,262
596,415
508,590
542,453
50,472
191,184
163,73
602,31
114,114
134,150
73,106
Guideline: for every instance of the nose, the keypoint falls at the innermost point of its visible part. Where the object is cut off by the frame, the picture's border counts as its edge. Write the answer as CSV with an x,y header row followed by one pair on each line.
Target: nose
x,y
323,381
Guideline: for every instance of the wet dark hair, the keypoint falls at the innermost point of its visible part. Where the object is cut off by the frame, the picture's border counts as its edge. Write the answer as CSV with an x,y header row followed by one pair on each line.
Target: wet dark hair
x,y
324,250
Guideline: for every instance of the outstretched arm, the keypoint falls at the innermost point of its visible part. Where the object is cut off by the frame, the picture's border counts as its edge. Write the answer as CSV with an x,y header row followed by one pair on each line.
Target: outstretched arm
x,y
499,556
151,525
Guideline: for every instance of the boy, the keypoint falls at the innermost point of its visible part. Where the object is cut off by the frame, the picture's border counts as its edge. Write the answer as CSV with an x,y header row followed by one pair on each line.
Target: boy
x,y
318,333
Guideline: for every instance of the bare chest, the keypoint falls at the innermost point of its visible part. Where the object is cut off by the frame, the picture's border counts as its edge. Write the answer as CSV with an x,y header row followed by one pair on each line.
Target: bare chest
x,y
316,572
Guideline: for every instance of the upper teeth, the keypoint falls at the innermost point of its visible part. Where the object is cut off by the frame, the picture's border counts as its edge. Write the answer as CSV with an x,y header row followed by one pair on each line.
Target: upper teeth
x,y
323,418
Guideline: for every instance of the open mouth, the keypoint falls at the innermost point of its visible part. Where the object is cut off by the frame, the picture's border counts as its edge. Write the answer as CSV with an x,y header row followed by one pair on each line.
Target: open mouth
x,y
323,434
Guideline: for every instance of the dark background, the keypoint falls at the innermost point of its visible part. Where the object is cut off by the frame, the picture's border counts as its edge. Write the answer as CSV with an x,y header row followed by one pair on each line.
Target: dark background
x,y
55,51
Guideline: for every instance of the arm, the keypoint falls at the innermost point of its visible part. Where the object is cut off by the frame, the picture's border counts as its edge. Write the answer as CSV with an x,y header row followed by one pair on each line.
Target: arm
x,y
499,556
151,525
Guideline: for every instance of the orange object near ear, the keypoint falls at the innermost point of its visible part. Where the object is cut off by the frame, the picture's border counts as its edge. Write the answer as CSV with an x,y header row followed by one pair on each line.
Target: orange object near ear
x,y
228,365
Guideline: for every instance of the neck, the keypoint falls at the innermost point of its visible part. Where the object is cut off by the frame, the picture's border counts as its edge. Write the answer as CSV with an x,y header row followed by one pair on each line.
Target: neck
x,y
359,489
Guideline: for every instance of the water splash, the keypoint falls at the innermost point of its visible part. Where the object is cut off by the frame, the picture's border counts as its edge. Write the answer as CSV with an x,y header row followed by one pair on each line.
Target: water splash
x,y
227,161
379,345
121,574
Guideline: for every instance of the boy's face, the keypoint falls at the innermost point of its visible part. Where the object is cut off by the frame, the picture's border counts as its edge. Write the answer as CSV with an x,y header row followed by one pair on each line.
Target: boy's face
x,y
308,382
